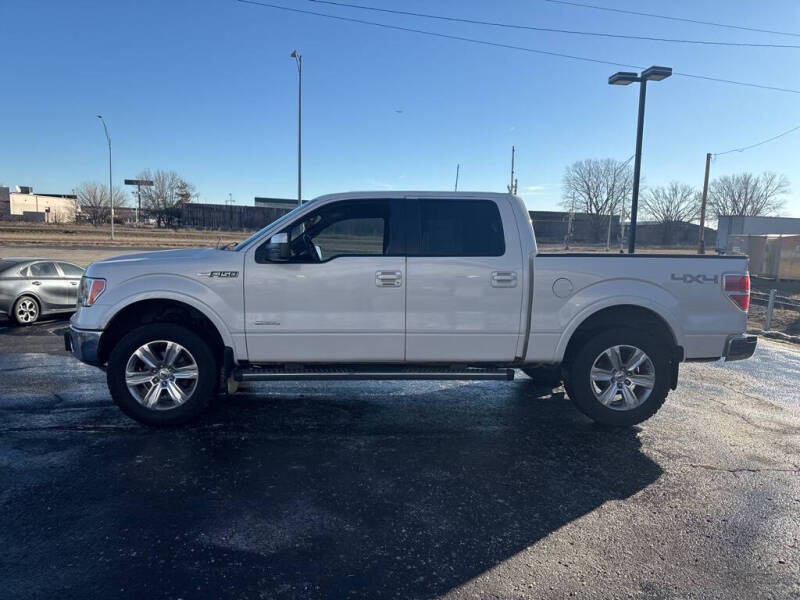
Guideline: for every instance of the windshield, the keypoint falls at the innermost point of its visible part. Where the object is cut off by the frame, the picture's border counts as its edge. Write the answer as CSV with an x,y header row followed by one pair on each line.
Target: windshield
x,y
242,245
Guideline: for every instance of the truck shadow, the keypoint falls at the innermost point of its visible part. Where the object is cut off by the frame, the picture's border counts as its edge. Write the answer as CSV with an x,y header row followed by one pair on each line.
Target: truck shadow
x,y
343,489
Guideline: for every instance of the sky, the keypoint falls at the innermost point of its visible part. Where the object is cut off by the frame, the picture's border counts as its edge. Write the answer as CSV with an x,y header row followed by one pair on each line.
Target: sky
x,y
207,88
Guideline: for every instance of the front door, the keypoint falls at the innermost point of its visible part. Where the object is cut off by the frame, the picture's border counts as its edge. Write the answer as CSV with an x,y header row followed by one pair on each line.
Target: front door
x,y
52,289
464,281
340,295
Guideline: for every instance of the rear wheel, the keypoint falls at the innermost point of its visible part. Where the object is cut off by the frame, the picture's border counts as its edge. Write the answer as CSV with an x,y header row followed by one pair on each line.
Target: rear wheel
x,y
162,374
620,377
26,310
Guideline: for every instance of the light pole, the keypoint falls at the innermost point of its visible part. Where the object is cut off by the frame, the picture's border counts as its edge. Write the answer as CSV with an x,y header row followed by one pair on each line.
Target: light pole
x,y
626,78
110,188
299,60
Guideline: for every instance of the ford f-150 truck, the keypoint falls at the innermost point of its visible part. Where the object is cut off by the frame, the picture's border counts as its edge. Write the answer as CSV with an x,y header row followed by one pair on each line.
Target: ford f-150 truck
x,y
405,285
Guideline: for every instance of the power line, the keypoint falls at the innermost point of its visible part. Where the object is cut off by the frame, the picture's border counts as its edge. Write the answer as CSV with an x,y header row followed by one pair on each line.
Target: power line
x,y
761,143
668,18
551,30
508,46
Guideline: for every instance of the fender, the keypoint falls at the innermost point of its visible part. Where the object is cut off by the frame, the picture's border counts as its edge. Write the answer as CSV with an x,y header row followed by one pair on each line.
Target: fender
x,y
596,297
226,316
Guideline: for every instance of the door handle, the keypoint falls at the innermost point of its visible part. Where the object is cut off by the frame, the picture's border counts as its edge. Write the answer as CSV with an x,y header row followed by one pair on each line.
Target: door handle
x,y
388,279
73,283
36,282
504,279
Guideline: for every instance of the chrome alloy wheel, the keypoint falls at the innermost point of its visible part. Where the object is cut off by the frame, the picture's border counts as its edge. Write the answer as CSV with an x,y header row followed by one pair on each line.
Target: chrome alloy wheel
x,y
27,311
622,377
161,375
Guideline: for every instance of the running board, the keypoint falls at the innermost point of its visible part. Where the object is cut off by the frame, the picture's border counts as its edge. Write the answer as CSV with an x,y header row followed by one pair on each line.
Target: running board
x,y
365,374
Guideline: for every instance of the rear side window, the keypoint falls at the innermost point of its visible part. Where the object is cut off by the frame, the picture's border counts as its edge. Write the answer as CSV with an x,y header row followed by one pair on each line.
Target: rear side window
x,y
43,269
460,228
70,270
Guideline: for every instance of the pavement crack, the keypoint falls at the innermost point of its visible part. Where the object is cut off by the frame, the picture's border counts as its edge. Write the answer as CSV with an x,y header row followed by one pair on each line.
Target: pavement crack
x,y
742,469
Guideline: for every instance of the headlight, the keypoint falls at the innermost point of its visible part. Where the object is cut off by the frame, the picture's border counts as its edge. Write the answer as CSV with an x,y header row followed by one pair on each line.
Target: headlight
x,y
89,290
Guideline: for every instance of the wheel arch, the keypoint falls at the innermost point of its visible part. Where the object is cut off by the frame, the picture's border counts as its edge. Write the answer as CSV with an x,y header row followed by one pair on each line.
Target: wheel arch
x,y
619,315
162,310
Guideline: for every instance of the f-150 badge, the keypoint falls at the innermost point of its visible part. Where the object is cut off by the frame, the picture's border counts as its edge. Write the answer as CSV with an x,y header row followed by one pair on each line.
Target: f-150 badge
x,y
221,274
689,278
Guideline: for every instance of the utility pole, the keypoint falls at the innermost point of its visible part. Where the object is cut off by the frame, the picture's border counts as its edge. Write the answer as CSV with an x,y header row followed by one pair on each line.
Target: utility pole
x,y
568,237
299,60
458,168
701,244
512,187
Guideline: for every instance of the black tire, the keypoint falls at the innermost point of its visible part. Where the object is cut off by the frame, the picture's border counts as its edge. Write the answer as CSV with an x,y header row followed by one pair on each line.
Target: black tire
x,y
35,306
545,376
579,386
207,374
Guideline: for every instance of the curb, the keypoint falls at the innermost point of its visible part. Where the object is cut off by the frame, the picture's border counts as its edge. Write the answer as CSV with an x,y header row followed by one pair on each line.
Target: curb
x,y
795,339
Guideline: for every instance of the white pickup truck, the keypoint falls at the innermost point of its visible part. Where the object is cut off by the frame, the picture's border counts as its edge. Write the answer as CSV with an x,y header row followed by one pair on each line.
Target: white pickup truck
x,y
405,285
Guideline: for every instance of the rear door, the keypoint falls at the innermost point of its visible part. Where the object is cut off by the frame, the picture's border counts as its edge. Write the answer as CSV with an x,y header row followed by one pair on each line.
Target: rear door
x,y
464,278
341,295
72,274
47,283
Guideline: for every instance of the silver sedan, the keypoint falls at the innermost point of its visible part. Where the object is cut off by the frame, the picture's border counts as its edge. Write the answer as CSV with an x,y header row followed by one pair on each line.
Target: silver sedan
x,y
33,287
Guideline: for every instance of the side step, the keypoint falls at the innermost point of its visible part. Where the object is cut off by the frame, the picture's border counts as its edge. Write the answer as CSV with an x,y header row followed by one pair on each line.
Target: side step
x,y
369,373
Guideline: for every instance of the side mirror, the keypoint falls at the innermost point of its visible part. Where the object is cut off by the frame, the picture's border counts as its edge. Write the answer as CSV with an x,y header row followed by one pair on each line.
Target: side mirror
x,y
277,249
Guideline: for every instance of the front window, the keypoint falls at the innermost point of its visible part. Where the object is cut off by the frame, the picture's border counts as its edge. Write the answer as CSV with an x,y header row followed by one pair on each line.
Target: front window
x,y
346,228
43,269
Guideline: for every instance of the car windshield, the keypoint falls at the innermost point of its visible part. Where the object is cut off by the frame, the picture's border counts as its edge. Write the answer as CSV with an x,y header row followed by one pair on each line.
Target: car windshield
x,y
242,245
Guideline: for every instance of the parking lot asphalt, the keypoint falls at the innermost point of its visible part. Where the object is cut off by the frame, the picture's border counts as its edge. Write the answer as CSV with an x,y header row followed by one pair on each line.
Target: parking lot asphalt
x,y
398,489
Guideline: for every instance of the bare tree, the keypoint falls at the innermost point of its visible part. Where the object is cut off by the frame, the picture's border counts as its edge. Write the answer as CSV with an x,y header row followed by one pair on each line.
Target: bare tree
x,y
164,198
94,202
597,187
675,203
747,194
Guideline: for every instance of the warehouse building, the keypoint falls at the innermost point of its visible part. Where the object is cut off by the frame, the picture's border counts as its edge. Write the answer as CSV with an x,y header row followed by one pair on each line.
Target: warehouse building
x,y
25,205
741,225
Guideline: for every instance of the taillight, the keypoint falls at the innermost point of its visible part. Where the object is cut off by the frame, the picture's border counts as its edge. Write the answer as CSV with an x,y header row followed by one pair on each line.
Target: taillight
x,y
737,288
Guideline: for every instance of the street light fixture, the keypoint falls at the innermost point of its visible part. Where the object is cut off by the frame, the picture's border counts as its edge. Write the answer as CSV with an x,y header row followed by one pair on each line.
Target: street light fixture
x,y
299,60
110,189
626,78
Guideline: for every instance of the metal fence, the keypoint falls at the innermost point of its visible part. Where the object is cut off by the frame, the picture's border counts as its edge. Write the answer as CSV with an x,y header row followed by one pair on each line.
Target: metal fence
x,y
772,301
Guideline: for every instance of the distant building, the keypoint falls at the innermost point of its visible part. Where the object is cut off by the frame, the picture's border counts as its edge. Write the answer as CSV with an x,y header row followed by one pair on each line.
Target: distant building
x,y
736,224
25,205
285,203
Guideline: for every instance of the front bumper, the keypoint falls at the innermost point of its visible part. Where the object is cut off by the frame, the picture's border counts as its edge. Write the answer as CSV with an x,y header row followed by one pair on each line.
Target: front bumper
x,y
83,344
740,347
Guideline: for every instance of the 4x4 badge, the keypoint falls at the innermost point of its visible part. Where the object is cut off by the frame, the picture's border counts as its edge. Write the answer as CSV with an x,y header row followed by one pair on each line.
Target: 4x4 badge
x,y
689,278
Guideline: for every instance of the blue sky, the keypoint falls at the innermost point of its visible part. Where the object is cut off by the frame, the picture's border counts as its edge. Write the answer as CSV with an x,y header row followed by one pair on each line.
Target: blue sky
x,y
207,88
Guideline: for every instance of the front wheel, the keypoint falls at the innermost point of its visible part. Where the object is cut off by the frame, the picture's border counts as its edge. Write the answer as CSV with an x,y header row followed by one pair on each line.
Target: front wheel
x,y
620,377
162,374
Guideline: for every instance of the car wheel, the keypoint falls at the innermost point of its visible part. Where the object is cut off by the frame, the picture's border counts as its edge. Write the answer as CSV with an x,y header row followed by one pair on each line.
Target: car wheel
x,y
26,310
162,374
620,377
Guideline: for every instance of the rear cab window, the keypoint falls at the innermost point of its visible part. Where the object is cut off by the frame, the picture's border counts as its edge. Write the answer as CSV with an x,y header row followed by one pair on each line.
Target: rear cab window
x,y
457,228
